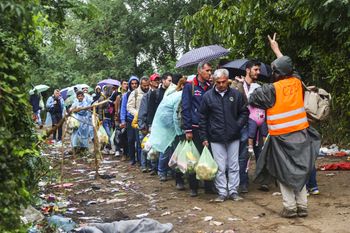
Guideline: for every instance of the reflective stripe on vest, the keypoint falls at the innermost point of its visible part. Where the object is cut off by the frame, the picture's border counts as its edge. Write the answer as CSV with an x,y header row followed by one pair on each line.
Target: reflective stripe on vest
x,y
288,114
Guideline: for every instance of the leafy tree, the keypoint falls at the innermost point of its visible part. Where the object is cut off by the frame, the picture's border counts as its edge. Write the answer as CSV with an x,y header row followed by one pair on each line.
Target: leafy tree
x,y
318,45
20,163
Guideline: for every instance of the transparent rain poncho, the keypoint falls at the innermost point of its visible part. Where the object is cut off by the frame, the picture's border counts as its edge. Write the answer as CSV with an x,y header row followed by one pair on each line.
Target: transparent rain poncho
x,y
166,124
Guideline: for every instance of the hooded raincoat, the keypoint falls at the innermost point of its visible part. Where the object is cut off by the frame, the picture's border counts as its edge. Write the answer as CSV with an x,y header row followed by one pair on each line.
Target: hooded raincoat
x,y
290,157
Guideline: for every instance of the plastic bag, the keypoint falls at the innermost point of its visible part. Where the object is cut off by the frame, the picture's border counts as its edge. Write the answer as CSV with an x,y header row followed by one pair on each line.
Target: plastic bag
x,y
173,160
152,154
112,136
188,158
206,168
102,135
72,123
144,141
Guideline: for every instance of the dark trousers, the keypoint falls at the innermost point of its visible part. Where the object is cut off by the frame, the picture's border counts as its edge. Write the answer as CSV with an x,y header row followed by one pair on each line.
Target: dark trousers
x,y
131,133
55,120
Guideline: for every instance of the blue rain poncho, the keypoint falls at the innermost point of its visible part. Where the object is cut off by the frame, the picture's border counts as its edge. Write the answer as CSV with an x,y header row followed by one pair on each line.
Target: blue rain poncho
x,y
166,124
80,136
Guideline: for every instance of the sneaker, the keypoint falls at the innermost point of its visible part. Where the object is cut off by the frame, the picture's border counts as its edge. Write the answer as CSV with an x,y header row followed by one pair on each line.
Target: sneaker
x,y
302,212
144,170
163,178
243,189
288,213
105,151
235,197
59,143
219,199
314,191
111,152
117,154
180,186
264,188
194,193
153,173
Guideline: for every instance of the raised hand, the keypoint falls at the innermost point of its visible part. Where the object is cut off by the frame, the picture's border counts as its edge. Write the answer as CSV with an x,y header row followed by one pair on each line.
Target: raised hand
x,y
274,45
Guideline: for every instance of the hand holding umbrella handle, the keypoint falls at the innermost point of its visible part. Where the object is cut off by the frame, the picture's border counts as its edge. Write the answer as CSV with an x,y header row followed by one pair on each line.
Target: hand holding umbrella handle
x,y
274,45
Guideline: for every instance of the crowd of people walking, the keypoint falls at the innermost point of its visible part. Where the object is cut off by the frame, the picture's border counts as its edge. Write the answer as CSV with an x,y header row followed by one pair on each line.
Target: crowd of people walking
x,y
145,119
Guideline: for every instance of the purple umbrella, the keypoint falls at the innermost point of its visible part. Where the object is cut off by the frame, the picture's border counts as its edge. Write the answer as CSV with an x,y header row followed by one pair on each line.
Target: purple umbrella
x,y
206,53
108,82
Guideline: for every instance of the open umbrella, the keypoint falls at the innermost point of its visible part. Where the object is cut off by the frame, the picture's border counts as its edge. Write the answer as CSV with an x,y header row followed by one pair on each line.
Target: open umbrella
x,y
237,67
68,91
39,88
206,53
108,81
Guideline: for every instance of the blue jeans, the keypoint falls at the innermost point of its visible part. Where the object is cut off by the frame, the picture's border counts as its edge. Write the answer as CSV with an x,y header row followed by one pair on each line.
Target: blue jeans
x,y
312,183
163,166
107,124
244,157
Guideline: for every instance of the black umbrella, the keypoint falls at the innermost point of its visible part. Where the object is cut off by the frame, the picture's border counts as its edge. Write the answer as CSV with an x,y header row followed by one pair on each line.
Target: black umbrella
x,y
237,68
206,53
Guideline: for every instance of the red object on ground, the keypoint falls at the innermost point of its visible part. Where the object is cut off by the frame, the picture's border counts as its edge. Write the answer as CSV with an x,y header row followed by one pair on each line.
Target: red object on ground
x,y
340,154
335,166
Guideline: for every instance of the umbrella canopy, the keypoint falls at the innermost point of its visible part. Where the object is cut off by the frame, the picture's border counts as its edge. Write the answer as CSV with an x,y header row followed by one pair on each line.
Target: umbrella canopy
x,y
237,67
206,53
39,88
108,81
68,91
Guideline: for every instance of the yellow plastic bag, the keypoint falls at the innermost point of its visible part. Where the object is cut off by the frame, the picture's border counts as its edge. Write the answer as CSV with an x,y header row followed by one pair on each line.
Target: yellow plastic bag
x,y
206,168
188,158
102,135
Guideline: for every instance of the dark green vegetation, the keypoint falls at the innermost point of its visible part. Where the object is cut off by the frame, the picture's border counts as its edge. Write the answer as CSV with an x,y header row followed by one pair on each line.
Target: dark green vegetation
x,y
65,42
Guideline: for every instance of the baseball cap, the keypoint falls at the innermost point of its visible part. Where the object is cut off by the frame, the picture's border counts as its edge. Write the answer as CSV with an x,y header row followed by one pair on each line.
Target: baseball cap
x,y
154,76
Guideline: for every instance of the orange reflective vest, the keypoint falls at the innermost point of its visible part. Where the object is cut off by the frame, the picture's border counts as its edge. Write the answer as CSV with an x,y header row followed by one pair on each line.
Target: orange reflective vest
x,y
288,114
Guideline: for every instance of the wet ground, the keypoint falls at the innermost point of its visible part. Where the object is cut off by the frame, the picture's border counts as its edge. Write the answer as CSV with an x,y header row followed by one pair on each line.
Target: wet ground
x,y
123,192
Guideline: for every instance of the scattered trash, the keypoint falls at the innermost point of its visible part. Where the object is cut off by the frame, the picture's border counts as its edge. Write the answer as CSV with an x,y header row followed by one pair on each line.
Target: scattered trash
x,y
30,215
65,185
66,224
142,215
276,194
335,166
215,223
91,219
208,218
91,202
197,208
330,174
81,212
115,200
234,219
166,213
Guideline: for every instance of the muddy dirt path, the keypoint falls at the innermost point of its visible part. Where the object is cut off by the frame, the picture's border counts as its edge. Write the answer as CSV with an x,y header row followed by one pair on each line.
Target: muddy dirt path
x,y
124,192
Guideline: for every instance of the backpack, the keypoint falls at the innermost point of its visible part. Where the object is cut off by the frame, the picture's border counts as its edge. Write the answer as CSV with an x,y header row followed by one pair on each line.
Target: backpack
x,y
317,103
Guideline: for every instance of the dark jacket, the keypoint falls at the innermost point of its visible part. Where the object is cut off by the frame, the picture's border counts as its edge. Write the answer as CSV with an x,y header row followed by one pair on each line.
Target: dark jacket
x,y
192,95
221,118
35,102
154,101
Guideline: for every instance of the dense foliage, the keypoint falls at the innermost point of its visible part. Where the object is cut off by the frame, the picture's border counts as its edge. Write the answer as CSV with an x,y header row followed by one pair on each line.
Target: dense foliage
x,y
60,43
315,34
20,163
